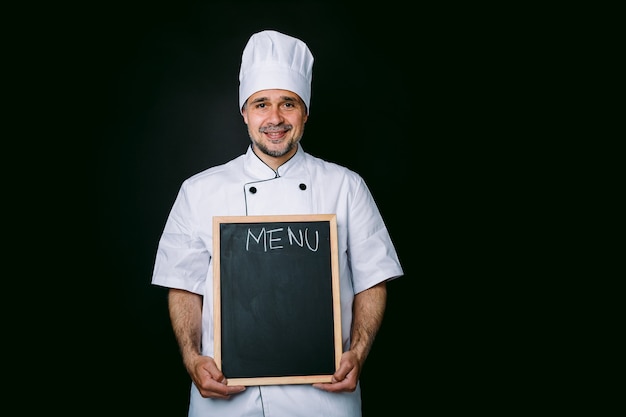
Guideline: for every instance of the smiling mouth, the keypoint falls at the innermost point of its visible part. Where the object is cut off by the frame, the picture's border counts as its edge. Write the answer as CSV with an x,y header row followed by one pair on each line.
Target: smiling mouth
x,y
275,129
276,135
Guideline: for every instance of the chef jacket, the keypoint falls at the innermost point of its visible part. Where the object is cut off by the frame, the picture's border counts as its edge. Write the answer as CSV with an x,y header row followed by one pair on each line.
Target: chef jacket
x,y
247,186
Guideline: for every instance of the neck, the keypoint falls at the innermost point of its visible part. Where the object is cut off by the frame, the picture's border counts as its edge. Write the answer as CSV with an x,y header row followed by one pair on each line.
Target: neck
x,y
274,161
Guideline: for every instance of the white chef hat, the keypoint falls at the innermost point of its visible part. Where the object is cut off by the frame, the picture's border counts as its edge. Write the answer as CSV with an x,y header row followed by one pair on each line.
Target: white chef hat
x,y
272,60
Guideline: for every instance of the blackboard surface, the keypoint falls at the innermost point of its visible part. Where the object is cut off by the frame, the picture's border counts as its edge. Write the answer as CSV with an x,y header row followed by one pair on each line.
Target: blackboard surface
x,y
276,296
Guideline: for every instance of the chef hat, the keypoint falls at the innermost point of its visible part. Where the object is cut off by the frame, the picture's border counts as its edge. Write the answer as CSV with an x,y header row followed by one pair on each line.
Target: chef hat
x,y
272,60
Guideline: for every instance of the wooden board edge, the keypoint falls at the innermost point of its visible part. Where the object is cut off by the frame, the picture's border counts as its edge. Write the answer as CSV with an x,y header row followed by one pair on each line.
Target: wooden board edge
x,y
273,218
280,380
336,286
217,301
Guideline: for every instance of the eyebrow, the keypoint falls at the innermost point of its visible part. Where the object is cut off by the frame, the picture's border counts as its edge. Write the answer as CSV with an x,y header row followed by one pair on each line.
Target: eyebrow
x,y
285,98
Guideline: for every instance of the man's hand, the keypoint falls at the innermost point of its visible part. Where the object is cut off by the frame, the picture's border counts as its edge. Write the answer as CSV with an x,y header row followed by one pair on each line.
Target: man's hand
x,y
346,377
210,381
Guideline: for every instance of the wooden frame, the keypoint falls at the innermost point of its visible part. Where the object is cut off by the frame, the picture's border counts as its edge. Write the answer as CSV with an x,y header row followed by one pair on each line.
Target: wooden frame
x,y
276,320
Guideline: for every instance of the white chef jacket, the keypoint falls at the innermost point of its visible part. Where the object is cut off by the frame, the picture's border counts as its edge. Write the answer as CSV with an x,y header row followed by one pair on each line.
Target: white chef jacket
x,y
247,186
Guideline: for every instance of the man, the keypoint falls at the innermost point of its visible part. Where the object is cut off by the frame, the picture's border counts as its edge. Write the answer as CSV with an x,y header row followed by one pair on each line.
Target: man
x,y
275,176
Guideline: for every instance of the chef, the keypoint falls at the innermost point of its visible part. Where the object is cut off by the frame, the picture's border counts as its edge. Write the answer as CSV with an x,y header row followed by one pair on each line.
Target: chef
x,y
275,176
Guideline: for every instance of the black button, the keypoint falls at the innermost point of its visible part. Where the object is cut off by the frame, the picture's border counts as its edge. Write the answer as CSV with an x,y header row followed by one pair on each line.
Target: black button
x,y
253,190
302,187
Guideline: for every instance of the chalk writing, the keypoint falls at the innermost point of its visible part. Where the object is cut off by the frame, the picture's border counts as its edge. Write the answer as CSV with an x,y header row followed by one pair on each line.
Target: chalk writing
x,y
271,239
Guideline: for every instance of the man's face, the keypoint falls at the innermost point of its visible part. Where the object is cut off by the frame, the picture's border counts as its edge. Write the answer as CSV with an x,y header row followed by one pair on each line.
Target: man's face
x,y
275,120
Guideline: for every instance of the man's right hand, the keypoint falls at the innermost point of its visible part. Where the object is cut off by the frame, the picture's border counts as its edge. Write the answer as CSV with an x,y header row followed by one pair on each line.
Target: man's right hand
x,y
209,380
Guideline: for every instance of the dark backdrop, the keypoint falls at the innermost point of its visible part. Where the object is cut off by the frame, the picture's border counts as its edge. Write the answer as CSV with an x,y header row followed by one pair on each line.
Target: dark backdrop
x,y
113,104
158,102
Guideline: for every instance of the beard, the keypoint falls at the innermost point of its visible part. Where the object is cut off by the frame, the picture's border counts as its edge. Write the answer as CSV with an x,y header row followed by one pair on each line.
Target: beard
x,y
276,152
287,147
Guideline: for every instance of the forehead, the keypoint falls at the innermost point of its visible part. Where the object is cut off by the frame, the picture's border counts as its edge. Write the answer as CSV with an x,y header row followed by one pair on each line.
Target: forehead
x,y
274,95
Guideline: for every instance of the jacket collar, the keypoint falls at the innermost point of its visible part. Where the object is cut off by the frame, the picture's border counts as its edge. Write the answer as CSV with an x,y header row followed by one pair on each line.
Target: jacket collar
x,y
256,168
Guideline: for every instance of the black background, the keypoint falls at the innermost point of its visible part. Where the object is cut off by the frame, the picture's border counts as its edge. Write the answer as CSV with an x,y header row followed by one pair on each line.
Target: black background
x,y
143,95
168,78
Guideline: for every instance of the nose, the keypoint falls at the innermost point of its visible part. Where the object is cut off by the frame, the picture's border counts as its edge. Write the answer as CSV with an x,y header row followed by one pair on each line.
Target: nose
x,y
275,116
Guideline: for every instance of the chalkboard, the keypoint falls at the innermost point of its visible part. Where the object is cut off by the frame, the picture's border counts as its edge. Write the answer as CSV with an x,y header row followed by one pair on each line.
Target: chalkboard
x,y
276,298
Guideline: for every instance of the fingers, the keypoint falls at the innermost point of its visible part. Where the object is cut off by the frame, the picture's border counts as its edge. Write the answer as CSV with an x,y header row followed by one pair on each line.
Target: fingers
x,y
347,385
345,377
210,388
341,381
210,380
